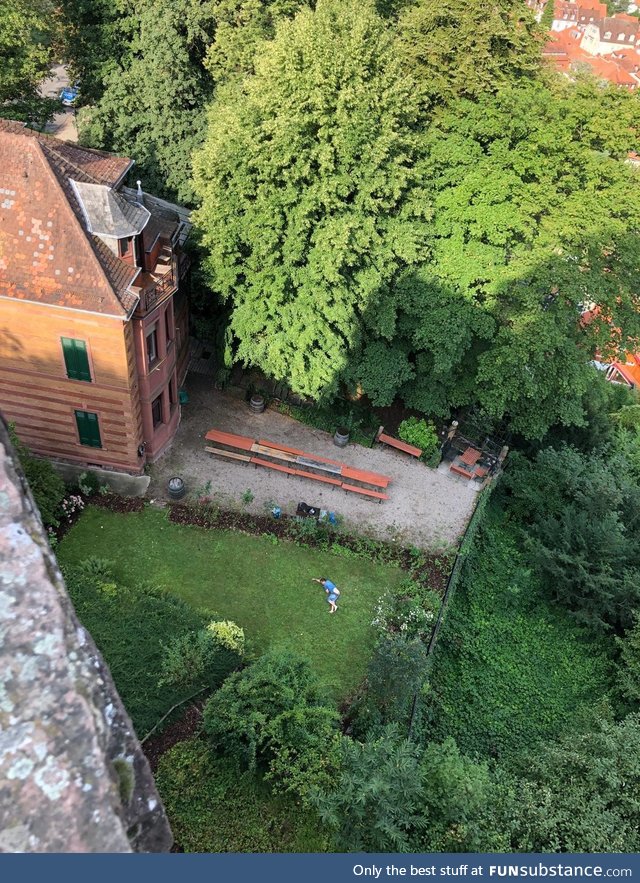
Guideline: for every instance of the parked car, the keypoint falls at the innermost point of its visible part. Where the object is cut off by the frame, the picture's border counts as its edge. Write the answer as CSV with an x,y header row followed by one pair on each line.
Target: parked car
x,y
69,96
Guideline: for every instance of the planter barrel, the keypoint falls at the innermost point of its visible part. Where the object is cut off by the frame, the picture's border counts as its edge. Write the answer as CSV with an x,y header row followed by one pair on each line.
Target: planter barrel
x,y
341,437
257,404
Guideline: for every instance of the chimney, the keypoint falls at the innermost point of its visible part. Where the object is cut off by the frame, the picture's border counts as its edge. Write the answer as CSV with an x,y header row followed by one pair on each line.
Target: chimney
x,y
139,193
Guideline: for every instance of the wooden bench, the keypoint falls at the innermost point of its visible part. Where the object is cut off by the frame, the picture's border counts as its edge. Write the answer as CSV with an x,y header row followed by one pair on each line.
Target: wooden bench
x,y
365,492
396,443
365,477
460,470
258,462
324,478
231,454
230,440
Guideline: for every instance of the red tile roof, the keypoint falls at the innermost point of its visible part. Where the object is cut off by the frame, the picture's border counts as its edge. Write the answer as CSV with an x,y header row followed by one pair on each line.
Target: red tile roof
x,y
46,253
563,49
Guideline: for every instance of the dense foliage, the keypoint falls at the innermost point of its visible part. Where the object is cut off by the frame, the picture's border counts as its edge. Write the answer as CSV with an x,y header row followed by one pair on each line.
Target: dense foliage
x,y
510,669
28,33
128,624
274,716
45,483
215,806
311,204
582,534
467,49
579,795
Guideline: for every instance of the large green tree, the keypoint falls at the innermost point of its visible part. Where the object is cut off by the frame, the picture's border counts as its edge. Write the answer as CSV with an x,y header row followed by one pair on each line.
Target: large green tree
x,y
28,31
580,795
581,531
310,198
376,804
147,71
152,107
534,217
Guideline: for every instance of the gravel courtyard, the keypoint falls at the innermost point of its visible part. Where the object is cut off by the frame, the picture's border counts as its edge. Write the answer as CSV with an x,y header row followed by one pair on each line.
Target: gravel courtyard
x,y
427,508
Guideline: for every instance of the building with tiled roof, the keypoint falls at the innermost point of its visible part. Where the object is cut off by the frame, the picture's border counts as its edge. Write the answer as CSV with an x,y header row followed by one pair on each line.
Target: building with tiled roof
x,y
567,14
610,34
564,50
93,313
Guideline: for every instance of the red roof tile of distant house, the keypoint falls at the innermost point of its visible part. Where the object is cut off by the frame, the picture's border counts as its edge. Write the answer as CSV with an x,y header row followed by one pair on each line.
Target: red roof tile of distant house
x,y
46,252
563,49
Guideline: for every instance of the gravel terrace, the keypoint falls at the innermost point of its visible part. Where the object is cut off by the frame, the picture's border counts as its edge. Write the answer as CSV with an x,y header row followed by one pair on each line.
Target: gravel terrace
x,y
427,508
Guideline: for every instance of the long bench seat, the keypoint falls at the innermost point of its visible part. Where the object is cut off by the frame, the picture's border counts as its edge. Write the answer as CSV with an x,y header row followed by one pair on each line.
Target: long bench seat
x,y
351,488
257,461
231,454
230,439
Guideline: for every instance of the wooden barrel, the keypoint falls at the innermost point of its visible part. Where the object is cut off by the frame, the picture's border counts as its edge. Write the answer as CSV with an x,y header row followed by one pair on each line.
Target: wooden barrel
x,y
256,404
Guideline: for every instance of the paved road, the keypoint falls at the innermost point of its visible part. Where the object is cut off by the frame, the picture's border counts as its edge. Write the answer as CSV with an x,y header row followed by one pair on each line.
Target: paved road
x,y
63,124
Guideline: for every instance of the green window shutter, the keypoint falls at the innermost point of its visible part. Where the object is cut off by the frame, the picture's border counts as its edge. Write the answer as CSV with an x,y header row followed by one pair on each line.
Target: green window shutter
x,y
76,359
88,429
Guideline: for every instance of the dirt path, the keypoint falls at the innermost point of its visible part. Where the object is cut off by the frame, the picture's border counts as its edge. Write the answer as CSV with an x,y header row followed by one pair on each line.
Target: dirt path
x,y
427,508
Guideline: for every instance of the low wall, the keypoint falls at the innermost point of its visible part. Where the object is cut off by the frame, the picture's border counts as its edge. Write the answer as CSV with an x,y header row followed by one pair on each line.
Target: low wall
x,y
73,775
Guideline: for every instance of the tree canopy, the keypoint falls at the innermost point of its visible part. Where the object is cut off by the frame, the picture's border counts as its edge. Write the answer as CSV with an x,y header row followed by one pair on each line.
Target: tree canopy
x,y
310,197
28,30
466,48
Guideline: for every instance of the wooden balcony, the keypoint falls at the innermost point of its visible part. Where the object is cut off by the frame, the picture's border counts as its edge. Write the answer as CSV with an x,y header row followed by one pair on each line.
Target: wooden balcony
x,y
154,287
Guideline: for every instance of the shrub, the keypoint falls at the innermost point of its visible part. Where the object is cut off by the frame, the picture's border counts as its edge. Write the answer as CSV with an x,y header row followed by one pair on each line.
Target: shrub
x,y
273,716
214,806
196,659
411,611
89,483
46,485
227,634
416,431
70,505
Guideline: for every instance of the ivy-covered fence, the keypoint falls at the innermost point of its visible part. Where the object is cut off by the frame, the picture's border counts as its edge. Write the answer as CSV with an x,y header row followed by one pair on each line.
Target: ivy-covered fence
x,y
463,557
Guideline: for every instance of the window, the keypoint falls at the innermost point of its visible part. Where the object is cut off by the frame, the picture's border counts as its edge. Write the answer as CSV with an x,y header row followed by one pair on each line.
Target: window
x,y
168,324
88,429
172,393
621,38
124,246
156,411
607,35
76,359
152,346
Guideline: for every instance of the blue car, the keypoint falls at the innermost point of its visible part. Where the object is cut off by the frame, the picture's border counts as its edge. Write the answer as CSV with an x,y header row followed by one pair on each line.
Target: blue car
x,y
69,95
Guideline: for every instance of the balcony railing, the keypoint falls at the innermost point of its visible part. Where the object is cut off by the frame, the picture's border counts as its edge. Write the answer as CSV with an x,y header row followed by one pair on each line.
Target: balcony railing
x,y
157,286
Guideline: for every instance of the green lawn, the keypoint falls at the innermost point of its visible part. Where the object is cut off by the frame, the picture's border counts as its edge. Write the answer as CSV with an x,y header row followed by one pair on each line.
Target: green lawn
x,y
263,585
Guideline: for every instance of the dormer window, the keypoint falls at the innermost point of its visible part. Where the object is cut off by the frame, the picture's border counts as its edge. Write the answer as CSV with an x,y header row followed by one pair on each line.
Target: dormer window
x,y
124,247
621,38
607,35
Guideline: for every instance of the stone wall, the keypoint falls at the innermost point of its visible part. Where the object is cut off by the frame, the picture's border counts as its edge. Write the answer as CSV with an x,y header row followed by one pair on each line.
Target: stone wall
x,y
73,777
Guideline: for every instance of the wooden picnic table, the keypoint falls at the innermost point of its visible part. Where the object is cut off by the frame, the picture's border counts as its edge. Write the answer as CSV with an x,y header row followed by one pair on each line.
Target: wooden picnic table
x,y
470,456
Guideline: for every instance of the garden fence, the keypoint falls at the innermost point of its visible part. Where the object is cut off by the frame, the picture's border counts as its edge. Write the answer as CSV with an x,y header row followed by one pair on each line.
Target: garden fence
x,y
463,557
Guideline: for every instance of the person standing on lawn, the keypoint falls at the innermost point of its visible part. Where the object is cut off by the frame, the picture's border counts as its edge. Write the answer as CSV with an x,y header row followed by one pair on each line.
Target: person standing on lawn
x,y
333,592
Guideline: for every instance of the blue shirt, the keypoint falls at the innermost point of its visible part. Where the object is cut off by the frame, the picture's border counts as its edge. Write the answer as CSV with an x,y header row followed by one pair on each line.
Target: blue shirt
x,y
329,585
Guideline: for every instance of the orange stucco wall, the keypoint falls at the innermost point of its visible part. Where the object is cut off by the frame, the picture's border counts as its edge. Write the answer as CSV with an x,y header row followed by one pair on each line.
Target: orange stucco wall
x,y
36,394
